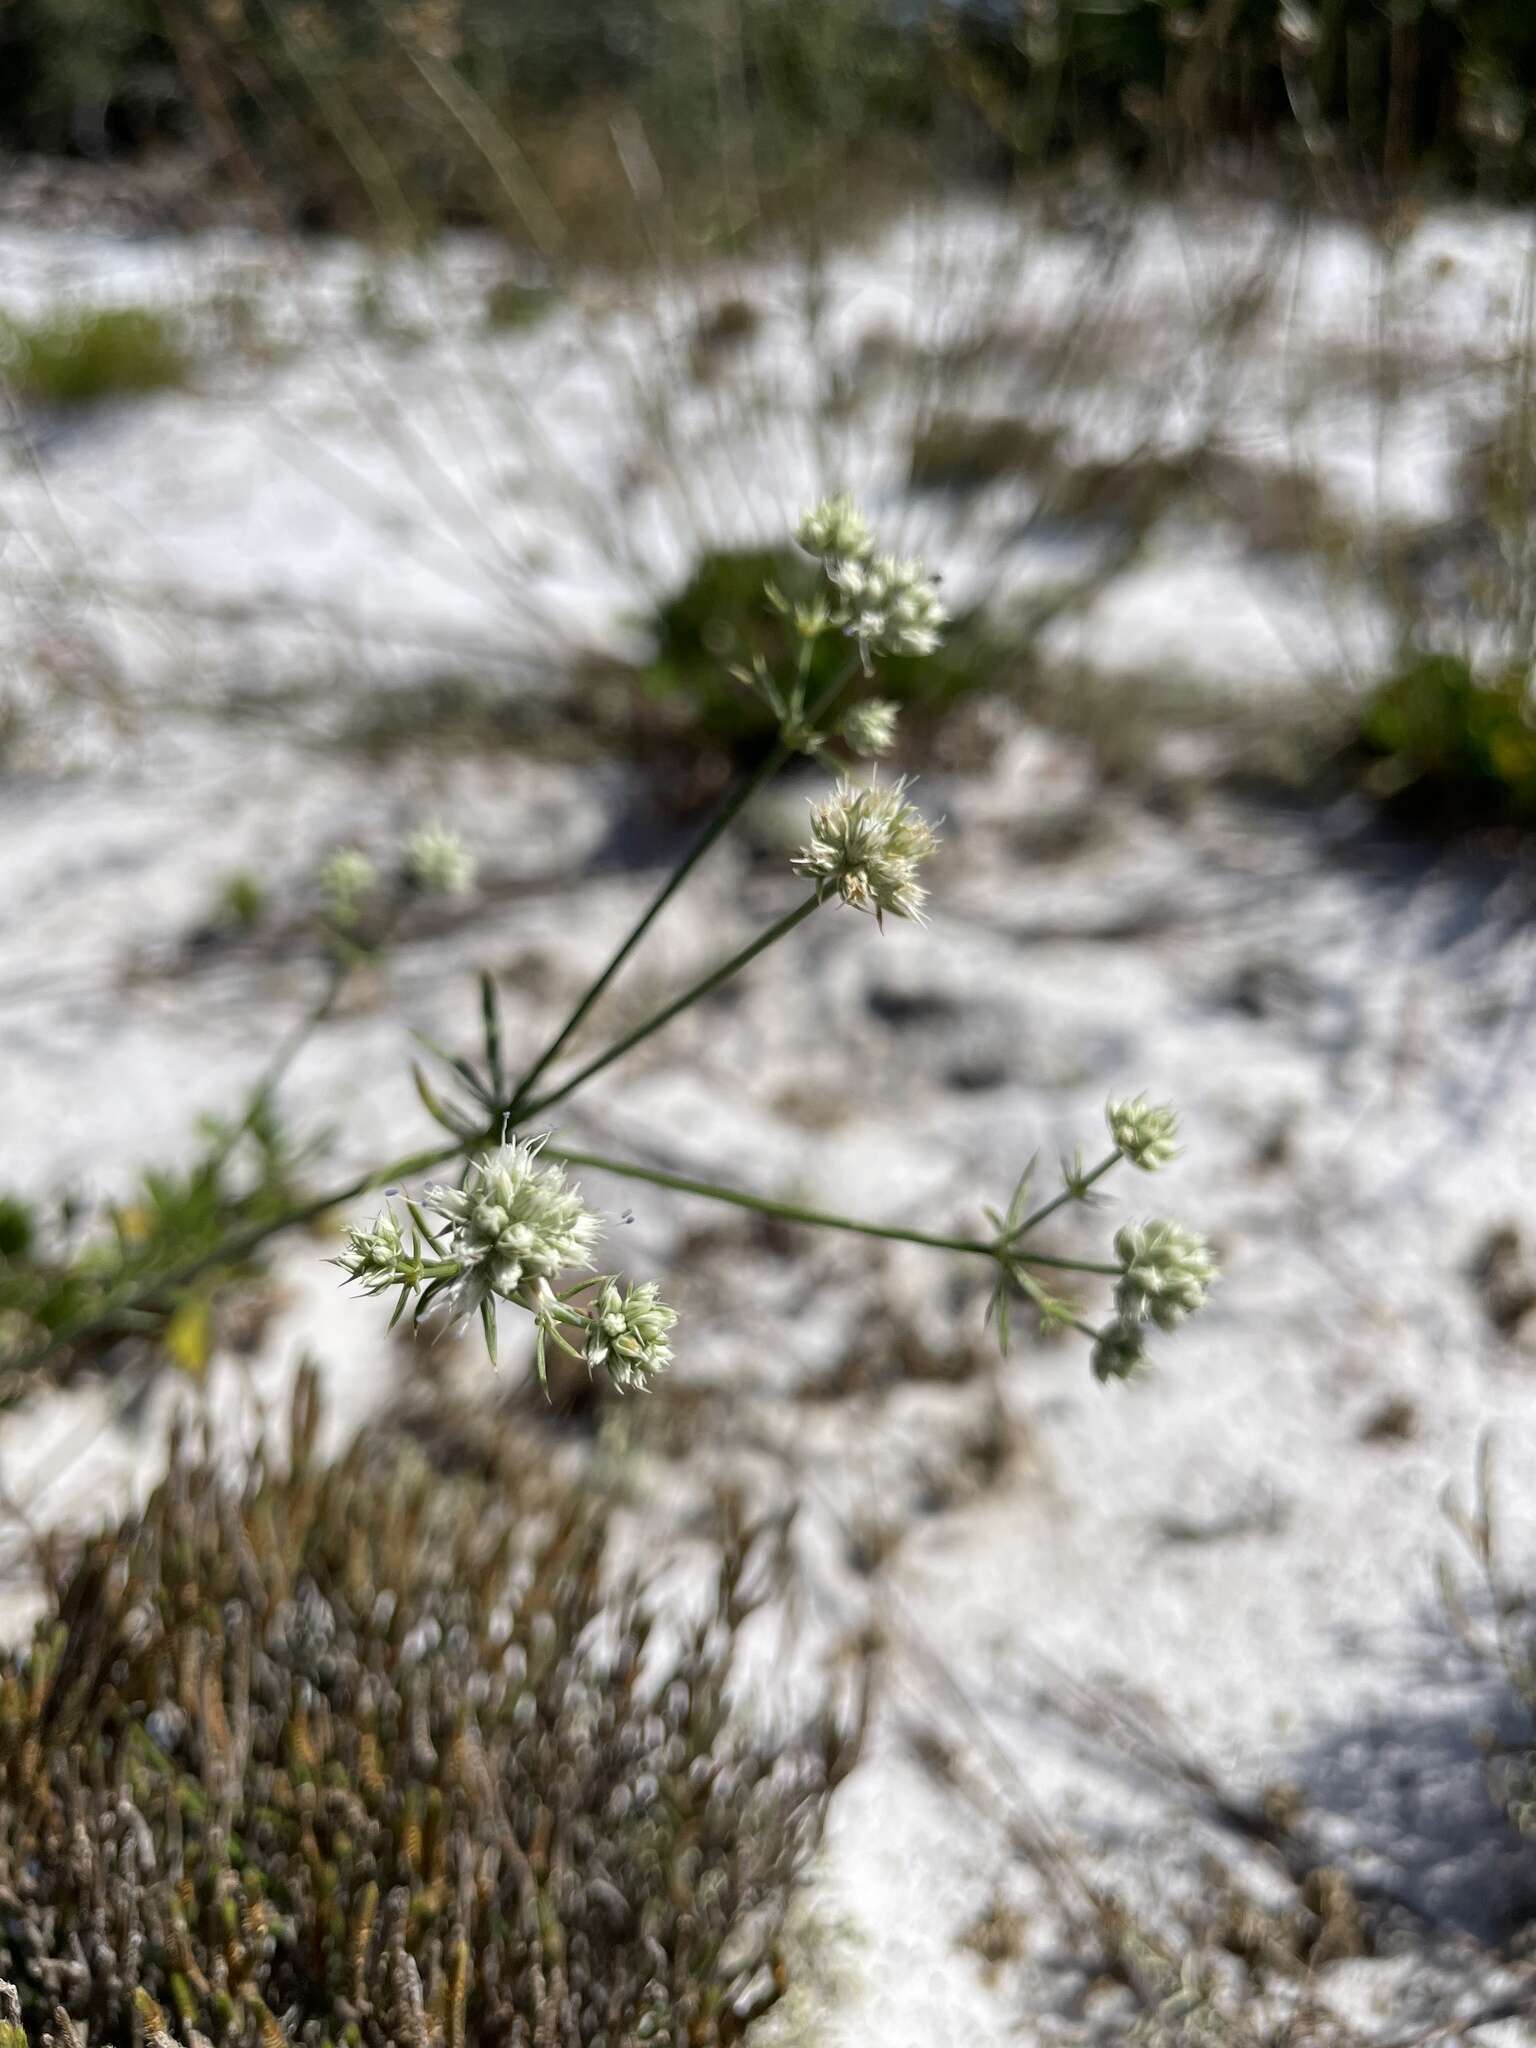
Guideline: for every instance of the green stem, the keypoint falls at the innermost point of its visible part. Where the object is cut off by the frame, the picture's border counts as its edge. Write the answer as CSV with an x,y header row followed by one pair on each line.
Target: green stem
x,y
1071,1194
150,1287
122,1306
1048,1307
523,1112
731,809
763,1205
1066,1265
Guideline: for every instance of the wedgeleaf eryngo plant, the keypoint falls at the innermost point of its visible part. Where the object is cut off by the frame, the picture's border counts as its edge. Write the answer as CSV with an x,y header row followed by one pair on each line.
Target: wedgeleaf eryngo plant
x,y
510,1231
514,1232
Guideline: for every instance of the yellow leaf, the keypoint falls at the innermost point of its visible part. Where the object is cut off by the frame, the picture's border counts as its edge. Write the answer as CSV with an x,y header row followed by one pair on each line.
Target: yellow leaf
x,y
134,1224
189,1336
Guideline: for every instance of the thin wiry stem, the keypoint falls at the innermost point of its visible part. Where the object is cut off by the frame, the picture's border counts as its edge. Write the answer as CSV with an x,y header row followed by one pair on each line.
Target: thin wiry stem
x,y
764,1205
149,1287
728,812
1065,1265
1050,1309
797,1212
521,1111
1072,1193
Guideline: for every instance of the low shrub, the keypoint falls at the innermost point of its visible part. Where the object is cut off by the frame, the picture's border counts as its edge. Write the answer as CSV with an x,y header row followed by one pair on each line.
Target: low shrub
x,y
368,1752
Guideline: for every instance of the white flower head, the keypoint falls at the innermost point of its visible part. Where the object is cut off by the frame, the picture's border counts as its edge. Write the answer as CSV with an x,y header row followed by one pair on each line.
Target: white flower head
x,y
1168,1272
890,606
835,528
516,1226
868,842
627,1334
375,1256
345,880
1118,1350
440,862
1143,1132
870,727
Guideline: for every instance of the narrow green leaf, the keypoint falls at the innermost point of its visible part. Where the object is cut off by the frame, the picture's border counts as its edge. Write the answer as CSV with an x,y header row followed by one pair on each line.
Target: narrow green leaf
x,y
435,1107
462,1068
418,1218
1016,1206
490,1012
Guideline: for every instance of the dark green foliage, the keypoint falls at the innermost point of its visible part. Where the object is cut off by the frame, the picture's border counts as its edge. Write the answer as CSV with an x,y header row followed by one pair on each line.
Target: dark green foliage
x,y
75,357
720,619
78,74
344,111
510,303
242,901
16,1227
368,1752
1455,744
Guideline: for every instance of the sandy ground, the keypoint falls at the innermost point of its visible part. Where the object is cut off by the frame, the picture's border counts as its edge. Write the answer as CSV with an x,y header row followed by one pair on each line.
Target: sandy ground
x,y
1235,1558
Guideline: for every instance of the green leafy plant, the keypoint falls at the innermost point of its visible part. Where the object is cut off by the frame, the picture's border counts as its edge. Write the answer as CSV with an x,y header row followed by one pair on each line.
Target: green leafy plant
x,y
82,355
167,1255
1453,743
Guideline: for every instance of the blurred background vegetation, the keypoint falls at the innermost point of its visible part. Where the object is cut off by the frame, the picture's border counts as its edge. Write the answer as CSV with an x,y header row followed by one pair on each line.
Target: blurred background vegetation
x,y
424,111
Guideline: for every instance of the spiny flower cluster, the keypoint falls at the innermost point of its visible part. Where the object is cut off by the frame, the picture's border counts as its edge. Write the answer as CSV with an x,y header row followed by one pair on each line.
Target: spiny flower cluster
x,y
1143,1132
431,859
870,728
886,604
439,861
868,842
345,880
1167,1273
836,530
514,1226
1118,1350
377,1256
891,606
627,1333
1162,1271
513,1229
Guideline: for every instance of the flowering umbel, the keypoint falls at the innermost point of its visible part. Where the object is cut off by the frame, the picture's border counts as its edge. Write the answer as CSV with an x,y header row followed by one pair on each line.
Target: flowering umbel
x,y
1143,1132
627,1334
868,842
890,606
514,1226
375,1257
513,1231
1167,1272
439,861
870,727
1118,1350
345,880
835,529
